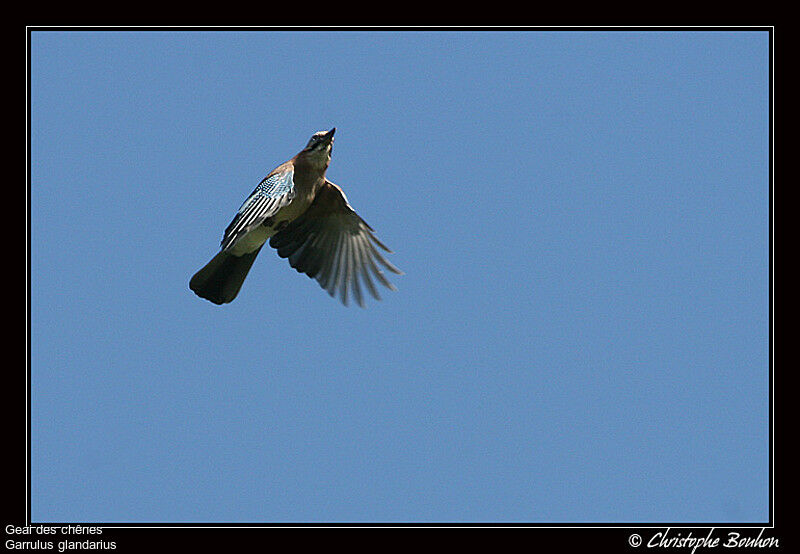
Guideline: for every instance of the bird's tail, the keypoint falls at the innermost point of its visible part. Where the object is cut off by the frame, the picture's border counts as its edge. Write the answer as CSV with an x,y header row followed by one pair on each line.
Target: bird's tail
x,y
221,278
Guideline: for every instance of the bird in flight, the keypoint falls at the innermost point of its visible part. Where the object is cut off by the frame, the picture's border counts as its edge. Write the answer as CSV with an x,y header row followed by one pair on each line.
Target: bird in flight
x,y
308,220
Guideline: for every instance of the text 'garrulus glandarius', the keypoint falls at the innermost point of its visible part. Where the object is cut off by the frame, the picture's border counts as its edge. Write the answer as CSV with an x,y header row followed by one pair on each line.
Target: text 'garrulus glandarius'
x,y
308,220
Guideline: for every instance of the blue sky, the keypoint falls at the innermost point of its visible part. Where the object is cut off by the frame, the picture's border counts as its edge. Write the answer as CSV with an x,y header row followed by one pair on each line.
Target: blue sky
x,y
581,333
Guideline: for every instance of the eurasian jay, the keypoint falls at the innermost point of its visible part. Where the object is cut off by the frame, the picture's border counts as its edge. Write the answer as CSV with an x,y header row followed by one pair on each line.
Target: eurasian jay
x,y
309,221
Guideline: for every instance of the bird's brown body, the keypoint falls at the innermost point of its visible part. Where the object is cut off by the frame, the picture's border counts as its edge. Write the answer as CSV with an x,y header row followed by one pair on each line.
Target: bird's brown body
x,y
308,178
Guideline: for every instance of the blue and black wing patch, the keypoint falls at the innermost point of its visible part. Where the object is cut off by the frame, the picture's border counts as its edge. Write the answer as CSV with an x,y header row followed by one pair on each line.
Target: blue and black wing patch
x,y
271,194
332,244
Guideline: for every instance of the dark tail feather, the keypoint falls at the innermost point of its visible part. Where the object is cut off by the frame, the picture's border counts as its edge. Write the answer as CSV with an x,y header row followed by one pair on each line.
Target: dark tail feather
x,y
221,278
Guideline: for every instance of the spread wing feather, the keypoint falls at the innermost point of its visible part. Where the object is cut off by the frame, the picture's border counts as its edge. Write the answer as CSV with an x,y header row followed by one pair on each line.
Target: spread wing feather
x,y
332,244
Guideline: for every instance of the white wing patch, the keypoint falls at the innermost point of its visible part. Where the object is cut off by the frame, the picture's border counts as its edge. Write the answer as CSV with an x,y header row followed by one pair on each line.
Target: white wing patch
x,y
271,194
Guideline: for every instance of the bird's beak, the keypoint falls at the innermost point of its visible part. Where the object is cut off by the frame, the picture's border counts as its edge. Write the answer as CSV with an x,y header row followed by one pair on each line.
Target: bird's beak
x,y
327,140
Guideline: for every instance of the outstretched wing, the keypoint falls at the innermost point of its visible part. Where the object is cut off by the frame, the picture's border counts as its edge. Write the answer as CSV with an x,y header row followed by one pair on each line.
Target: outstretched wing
x,y
332,244
271,194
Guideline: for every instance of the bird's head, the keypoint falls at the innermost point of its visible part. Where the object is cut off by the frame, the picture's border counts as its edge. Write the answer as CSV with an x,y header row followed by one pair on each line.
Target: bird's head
x,y
319,147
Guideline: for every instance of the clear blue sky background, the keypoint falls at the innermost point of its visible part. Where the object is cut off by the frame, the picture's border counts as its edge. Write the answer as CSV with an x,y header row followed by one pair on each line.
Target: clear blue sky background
x,y
581,334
